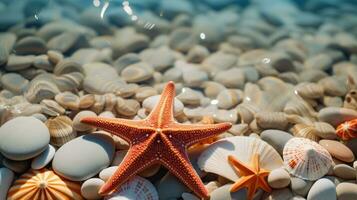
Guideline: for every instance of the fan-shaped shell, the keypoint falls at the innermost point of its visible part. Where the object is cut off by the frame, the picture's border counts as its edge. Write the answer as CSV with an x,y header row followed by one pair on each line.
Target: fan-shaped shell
x,y
61,130
215,158
306,159
68,100
41,88
67,66
271,120
305,131
347,130
43,185
136,188
310,90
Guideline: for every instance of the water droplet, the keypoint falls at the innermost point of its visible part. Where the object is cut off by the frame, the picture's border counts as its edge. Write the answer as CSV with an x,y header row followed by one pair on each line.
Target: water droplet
x,y
214,102
96,3
203,36
266,60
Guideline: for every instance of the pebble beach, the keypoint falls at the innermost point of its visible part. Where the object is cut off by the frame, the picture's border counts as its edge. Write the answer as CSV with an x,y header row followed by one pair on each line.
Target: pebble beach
x,y
283,73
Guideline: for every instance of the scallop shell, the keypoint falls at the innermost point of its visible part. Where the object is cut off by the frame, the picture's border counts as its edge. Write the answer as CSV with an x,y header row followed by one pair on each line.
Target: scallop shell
x,y
53,106
42,87
347,130
214,159
68,100
306,159
305,131
136,188
43,185
61,130
272,120
66,66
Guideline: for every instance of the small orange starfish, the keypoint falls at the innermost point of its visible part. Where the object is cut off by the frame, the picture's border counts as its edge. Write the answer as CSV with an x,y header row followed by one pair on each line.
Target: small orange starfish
x,y
158,139
251,177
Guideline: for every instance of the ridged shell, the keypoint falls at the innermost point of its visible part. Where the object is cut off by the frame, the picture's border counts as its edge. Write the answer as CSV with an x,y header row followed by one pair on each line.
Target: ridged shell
x,y
68,100
309,90
69,82
271,120
127,107
61,130
214,159
306,159
67,66
110,101
325,130
99,103
305,131
299,106
41,88
347,130
99,85
136,188
86,101
43,185
53,106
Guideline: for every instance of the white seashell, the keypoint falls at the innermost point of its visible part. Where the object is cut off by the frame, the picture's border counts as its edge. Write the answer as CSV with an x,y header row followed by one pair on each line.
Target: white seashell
x,y
136,188
61,130
309,90
306,159
272,120
325,130
215,158
69,82
68,100
52,106
305,131
42,87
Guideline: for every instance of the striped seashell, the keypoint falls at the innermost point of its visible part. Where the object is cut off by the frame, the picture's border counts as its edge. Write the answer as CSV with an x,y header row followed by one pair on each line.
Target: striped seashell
x,y
325,130
99,103
100,85
61,130
306,159
68,100
309,90
299,106
305,131
69,82
42,87
127,107
347,130
86,101
43,184
272,120
110,101
66,66
214,158
136,188
52,105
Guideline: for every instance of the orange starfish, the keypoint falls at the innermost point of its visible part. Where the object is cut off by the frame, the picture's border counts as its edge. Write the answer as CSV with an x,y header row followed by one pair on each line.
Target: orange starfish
x,y
157,139
251,177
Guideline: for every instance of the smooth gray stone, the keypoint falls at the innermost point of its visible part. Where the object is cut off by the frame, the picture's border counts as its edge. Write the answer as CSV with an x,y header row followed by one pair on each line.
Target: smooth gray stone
x,y
84,157
17,166
322,189
14,82
23,138
223,192
169,187
336,116
300,186
44,158
6,178
276,138
346,191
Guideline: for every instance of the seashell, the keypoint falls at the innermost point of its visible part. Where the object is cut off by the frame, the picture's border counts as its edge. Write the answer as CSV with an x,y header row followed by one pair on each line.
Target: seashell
x,y
69,82
42,87
25,109
99,103
136,188
42,62
86,101
325,130
42,185
305,131
309,90
78,125
333,86
212,89
299,106
127,107
53,106
100,85
137,72
127,90
68,100
110,101
271,120
145,92
246,112
214,159
306,159
229,98
54,56
66,66
347,130
61,130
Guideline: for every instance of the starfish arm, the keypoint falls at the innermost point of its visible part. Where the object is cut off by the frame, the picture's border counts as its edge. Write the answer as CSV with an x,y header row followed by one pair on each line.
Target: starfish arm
x,y
251,191
243,182
162,113
189,134
137,159
263,184
129,130
240,167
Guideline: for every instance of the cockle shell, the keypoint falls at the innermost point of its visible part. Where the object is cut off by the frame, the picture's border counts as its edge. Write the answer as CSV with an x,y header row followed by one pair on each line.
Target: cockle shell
x,y
69,82
127,107
86,101
306,159
214,159
305,131
61,130
347,130
43,184
136,188
309,90
272,120
52,108
68,100
66,66
42,87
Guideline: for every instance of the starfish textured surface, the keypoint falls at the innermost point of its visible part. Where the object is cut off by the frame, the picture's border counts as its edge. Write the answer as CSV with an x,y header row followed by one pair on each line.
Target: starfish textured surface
x,y
157,139
252,177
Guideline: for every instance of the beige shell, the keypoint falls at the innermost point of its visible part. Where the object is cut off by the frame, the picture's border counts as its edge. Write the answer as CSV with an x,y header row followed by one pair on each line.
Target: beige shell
x,y
100,85
272,120
144,92
212,89
246,112
334,86
69,82
52,105
309,90
325,130
214,159
110,101
66,66
299,106
127,90
127,107
306,159
99,103
86,101
305,131
229,97
61,130
42,87
68,100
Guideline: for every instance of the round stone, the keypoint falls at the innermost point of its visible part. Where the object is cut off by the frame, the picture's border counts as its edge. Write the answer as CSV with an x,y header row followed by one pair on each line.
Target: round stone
x,y
223,192
84,157
78,125
279,178
338,150
23,138
44,158
90,188
300,186
6,178
322,189
106,173
14,82
344,171
346,191
336,116
17,166
150,102
276,138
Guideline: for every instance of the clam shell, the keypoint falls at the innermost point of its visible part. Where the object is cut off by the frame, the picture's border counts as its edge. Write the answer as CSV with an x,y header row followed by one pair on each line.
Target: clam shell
x,y
309,90
86,101
69,82
306,159
325,130
305,131
272,120
53,105
214,159
110,101
68,100
61,130
127,107
42,185
42,87
99,103
66,66
136,188
347,130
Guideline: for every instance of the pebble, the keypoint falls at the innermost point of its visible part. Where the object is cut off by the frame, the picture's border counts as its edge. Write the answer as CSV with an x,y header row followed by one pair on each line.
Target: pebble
x,y
197,54
346,191
352,145
137,72
150,102
6,178
344,171
30,45
169,187
300,186
160,58
84,156
106,173
219,61
225,116
229,98
338,150
90,188
42,62
336,116
78,125
7,41
322,189
125,60
182,39
118,157
232,78
280,194
278,178
276,138
194,77
67,42
16,63
190,97
44,158
25,141
18,167
14,82
223,192
320,61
